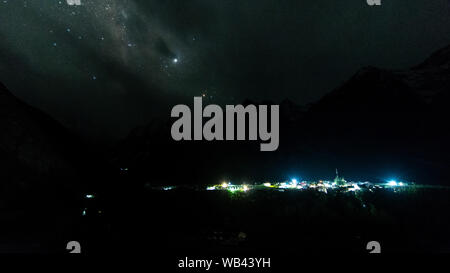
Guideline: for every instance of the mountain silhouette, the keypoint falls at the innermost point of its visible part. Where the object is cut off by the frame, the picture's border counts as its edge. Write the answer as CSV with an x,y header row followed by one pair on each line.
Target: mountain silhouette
x,y
379,122
37,154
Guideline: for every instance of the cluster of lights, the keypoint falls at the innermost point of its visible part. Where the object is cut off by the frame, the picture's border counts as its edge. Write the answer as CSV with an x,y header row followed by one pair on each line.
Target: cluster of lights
x,y
393,183
295,184
230,187
354,187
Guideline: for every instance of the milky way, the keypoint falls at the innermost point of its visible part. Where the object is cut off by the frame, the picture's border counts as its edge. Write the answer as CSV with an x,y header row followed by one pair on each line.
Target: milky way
x,y
107,66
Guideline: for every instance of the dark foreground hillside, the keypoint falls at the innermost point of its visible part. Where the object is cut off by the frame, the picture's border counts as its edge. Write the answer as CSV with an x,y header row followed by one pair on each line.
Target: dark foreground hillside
x,y
185,221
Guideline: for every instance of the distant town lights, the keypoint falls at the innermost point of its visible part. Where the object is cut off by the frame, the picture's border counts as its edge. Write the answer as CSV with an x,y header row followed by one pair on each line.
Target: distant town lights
x,y
294,184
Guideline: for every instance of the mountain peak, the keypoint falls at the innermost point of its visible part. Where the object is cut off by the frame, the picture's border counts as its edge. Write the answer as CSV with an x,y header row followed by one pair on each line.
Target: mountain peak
x,y
30,137
439,59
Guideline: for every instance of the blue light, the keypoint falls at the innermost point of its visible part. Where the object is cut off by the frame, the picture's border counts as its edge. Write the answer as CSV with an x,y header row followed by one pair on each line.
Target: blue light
x,y
392,183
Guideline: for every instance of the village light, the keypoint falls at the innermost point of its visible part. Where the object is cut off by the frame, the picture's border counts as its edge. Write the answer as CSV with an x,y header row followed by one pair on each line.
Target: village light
x,y
392,183
294,182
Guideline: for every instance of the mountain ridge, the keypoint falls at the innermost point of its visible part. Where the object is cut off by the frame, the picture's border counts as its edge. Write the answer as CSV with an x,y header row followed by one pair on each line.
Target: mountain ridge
x,y
376,114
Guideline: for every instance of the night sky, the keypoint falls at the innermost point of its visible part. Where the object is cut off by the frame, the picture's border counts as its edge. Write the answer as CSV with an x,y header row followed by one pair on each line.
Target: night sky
x,y
107,66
